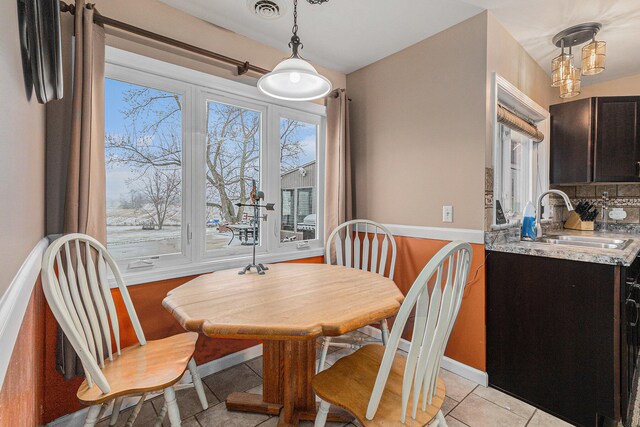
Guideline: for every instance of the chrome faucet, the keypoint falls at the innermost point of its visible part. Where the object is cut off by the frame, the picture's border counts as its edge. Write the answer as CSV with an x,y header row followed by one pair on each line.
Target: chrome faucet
x,y
539,208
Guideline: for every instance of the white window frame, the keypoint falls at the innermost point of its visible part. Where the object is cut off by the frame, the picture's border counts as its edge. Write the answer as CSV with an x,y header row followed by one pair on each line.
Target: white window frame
x,y
505,93
197,87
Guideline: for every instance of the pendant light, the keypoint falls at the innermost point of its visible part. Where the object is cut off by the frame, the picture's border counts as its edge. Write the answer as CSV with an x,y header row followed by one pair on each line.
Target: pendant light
x,y
593,57
295,79
564,74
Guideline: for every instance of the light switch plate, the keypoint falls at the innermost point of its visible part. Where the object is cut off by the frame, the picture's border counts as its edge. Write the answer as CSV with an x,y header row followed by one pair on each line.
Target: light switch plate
x,y
447,214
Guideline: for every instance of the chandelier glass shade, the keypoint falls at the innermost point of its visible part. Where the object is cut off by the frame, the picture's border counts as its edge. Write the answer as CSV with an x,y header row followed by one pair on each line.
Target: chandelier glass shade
x,y
560,69
594,55
571,86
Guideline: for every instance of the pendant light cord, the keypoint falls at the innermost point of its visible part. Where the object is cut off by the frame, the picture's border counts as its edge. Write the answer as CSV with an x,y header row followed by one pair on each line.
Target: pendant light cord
x,y
295,44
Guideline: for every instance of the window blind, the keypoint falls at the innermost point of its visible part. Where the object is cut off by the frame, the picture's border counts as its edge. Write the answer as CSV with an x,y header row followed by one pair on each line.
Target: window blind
x,y
519,124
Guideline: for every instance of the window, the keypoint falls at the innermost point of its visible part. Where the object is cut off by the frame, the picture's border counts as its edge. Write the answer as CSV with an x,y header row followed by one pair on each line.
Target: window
x,y
143,143
516,150
183,149
520,165
298,179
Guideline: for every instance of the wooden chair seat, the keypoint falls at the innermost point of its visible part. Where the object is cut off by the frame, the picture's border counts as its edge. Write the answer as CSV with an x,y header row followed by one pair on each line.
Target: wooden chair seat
x,y
142,368
349,383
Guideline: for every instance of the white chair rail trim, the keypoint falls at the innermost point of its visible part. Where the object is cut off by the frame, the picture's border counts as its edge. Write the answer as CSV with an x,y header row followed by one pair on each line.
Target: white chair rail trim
x,y
437,233
14,302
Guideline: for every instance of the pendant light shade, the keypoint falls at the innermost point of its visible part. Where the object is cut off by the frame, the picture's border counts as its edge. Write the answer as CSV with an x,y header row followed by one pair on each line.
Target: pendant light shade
x,y
294,79
571,86
560,69
593,58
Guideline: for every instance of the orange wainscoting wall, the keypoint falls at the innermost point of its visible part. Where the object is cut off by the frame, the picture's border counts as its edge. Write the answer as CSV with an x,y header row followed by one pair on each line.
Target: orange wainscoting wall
x,y
468,341
22,394
60,395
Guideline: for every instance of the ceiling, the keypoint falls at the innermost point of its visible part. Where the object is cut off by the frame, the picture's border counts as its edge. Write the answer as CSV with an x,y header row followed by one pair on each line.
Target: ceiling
x,y
343,35
534,23
346,35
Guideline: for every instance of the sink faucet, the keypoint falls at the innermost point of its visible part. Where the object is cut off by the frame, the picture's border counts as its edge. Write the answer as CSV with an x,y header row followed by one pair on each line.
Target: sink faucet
x,y
539,208
605,210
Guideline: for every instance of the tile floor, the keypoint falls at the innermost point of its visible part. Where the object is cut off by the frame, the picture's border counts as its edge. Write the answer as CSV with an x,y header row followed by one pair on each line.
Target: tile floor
x,y
466,403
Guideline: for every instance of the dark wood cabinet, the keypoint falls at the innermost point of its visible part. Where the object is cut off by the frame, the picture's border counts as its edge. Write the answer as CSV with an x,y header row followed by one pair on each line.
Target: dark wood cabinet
x,y
595,140
556,335
572,142
617,146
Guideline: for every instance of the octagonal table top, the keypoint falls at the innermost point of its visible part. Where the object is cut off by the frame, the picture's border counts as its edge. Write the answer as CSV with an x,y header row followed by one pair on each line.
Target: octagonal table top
x,y
289,302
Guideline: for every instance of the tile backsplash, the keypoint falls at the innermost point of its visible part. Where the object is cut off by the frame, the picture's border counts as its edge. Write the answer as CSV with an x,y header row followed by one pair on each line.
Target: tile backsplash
x,y
625,196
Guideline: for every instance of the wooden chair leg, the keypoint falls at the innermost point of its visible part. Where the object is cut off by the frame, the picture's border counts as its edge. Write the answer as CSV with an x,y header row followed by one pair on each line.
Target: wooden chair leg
x,y
440,421
172,406
323,412
115,413
385,331
161,415
326,341
136,411
197,384
92,416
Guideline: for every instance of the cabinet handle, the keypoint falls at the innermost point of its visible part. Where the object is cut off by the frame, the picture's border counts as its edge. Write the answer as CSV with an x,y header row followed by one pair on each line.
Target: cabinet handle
x,y
636,306
638,169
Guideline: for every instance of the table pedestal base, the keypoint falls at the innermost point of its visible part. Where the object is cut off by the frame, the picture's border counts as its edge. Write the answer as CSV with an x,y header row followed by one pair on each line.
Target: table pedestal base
x,y
288,367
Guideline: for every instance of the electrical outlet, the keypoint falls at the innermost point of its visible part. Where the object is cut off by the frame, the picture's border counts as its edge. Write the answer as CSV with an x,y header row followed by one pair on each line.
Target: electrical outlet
x,y
447,214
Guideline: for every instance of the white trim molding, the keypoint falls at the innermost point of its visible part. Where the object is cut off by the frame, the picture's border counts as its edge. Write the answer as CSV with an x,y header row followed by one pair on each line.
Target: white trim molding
x,y
465,371
436,233
14,302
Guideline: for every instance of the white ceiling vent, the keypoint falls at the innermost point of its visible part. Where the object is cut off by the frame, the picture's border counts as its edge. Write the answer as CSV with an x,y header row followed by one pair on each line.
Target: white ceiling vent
x,y
267,9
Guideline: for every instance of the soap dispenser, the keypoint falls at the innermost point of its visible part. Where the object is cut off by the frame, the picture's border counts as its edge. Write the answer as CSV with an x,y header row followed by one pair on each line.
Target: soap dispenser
x,y
529,222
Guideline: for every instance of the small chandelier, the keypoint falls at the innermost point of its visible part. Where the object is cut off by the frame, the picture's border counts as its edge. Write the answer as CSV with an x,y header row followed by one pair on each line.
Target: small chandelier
x,y
564,74
295,79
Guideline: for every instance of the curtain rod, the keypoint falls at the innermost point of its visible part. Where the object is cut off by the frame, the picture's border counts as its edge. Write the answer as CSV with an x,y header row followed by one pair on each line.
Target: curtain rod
x,y
243,67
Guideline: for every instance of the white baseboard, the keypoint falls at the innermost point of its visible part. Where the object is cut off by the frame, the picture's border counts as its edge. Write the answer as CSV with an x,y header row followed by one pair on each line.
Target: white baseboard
x,y
451,365
14,302
76,419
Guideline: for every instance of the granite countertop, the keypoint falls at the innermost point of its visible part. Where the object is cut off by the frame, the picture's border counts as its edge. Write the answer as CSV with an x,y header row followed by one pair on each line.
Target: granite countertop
x,y
623,256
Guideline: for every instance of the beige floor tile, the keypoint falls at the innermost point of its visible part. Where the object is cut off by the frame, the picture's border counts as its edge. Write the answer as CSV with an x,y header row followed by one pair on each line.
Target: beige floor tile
x,y
542,419
188,403
256,390
147,416
218,416
238,378
452,422
190,422
256,365
448,405
510,403
338,354
457,387
478,412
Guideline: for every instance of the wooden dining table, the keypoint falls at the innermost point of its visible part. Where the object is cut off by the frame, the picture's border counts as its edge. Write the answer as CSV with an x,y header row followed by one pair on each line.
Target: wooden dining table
x,y
288,308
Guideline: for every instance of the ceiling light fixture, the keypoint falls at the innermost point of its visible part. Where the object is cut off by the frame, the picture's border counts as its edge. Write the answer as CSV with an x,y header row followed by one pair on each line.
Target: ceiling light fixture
x,y
563,74
295,79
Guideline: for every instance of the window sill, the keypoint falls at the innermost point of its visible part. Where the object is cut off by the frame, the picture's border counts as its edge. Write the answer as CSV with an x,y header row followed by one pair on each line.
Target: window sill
x,y
209,266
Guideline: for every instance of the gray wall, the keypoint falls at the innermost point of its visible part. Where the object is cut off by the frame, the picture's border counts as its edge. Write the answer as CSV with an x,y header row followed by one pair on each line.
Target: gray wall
x,y
22,143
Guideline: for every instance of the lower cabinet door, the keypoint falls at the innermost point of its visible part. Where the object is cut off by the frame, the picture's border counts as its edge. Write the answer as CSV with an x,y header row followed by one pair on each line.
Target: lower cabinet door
x,y
553,335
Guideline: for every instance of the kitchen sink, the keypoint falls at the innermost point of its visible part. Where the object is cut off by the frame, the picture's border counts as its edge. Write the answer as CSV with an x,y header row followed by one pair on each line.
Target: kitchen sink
x,y
586,241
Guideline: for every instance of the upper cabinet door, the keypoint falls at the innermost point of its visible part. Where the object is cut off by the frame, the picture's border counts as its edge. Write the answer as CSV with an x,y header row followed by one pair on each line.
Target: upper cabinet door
x,y
571,142
617,145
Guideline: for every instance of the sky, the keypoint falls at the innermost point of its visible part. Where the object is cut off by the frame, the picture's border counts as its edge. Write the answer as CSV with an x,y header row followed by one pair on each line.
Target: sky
x,y
116,123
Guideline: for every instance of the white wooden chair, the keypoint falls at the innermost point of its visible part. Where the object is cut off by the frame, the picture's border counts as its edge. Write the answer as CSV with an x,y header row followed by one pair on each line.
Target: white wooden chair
x,y
80,298
375,383
370,253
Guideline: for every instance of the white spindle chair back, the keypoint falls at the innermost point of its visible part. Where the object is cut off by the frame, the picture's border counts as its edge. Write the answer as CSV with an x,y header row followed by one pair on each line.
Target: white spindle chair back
x,y
435,314
80,298
364,245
